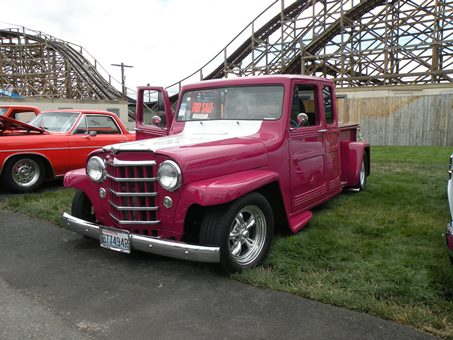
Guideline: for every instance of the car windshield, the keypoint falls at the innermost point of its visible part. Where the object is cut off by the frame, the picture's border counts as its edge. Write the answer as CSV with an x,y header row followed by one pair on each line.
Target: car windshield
x,y
55,121
2,111
226,103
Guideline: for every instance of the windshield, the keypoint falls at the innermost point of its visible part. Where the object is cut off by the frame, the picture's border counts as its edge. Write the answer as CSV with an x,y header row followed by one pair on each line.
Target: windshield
x,y
55,121
244,102
2,111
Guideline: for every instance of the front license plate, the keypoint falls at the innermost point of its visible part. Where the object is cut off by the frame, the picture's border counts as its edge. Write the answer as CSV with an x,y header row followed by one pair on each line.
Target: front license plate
x,y
117,240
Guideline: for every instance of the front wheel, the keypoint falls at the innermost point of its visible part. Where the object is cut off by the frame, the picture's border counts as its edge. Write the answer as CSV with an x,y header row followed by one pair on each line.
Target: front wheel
x,y
82,208
242,229
24,173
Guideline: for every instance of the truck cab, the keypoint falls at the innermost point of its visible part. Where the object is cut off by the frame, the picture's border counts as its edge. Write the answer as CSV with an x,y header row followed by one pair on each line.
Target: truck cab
x,y
238,158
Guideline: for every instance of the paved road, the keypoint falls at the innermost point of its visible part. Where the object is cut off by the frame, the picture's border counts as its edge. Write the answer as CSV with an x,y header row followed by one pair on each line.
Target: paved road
x,y
57,285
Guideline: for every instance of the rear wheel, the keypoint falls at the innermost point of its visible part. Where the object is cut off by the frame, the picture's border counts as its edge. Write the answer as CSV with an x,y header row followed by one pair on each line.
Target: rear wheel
x,y
362,178
242,229
24,173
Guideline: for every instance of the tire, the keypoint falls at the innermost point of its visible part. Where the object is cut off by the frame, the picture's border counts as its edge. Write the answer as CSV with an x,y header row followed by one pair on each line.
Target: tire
x,y
363,177
242,229
82,208
24,173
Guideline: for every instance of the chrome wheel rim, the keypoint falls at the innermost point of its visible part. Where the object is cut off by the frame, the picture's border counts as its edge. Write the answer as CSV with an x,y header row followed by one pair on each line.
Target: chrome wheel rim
x,y
362,175
247,235
25,172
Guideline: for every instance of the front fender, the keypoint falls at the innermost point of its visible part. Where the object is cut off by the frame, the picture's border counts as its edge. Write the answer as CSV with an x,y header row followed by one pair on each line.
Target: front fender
x,y
352,154
221,190
78,179
227,188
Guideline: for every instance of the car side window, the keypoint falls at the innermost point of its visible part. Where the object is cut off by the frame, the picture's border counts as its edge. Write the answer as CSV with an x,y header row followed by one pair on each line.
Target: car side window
x,y
82,128
327,99
102,125
304,102
24,116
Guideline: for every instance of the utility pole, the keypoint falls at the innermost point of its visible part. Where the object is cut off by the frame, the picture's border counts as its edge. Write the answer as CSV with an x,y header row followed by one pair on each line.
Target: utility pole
x,y
123,77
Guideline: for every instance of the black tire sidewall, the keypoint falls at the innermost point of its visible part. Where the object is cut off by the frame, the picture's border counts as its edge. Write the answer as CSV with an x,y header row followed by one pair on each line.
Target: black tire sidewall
x,y
81,207
223,217
365,164
7,175
362,186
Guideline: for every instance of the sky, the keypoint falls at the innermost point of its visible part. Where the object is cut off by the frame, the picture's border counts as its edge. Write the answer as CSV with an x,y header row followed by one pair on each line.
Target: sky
x,y
164,40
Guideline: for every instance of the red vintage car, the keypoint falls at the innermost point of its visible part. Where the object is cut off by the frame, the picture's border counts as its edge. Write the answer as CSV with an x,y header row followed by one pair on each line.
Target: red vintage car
x,y
53,143
22,113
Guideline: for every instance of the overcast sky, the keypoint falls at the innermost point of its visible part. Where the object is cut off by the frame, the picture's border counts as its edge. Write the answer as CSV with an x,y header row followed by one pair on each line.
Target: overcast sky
x,y
165,40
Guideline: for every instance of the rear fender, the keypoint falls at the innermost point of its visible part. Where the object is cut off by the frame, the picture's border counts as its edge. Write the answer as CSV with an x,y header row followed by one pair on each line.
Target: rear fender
x,y
352,154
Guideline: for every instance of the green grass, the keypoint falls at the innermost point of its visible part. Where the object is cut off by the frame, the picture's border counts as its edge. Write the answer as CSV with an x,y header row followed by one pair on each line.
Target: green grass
x,y
380,251
47,206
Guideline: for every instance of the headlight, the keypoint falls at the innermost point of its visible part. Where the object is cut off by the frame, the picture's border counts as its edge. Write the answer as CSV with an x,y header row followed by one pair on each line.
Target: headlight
x,y
169,175
96,169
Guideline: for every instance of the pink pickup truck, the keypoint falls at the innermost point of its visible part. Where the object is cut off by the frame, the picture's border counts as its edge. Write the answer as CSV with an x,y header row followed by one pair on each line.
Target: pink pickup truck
x,y
238,158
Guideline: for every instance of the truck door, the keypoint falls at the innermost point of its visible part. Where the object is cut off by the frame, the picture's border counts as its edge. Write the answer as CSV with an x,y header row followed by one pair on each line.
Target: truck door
x,y
333,180
307,144
153,115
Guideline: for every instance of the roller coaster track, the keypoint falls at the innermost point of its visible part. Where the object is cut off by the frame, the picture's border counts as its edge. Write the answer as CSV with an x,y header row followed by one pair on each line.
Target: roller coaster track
x,y
50,64
261,35
334,29
355,42
358,43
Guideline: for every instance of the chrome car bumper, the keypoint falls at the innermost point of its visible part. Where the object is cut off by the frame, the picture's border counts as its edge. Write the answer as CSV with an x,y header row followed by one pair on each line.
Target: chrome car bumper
x,y
154,245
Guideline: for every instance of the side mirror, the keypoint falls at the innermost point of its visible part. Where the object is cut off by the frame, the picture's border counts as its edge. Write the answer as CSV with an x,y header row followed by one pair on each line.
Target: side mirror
x,y
302,119
92,133
156,120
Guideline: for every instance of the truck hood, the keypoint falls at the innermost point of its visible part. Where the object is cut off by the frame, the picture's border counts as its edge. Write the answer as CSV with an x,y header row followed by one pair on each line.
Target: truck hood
x,y
208,148
11,125
194,133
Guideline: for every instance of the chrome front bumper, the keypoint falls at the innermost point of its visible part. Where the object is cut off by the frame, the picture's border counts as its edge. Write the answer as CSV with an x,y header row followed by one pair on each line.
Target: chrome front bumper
x,y
154,245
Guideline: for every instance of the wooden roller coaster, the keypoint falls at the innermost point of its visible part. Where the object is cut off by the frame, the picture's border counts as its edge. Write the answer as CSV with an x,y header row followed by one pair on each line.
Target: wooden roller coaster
x,y
357,43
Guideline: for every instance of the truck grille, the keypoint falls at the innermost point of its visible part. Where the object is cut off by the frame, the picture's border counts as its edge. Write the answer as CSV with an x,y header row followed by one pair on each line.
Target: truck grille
x,y
132,195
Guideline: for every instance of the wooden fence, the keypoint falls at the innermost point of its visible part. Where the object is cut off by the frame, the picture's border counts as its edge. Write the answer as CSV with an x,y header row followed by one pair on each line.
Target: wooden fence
x,y
398,120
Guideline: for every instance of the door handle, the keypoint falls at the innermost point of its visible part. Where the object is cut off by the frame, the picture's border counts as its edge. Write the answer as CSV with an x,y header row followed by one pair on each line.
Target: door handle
x,y
322,130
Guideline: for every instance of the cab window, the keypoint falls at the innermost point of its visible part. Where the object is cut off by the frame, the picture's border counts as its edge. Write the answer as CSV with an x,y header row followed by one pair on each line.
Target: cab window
x,y
304,102
327,99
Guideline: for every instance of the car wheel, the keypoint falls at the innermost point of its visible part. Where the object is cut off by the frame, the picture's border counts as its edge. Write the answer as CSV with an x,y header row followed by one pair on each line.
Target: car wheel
x,y
22,174
82,208
242,229
362,178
